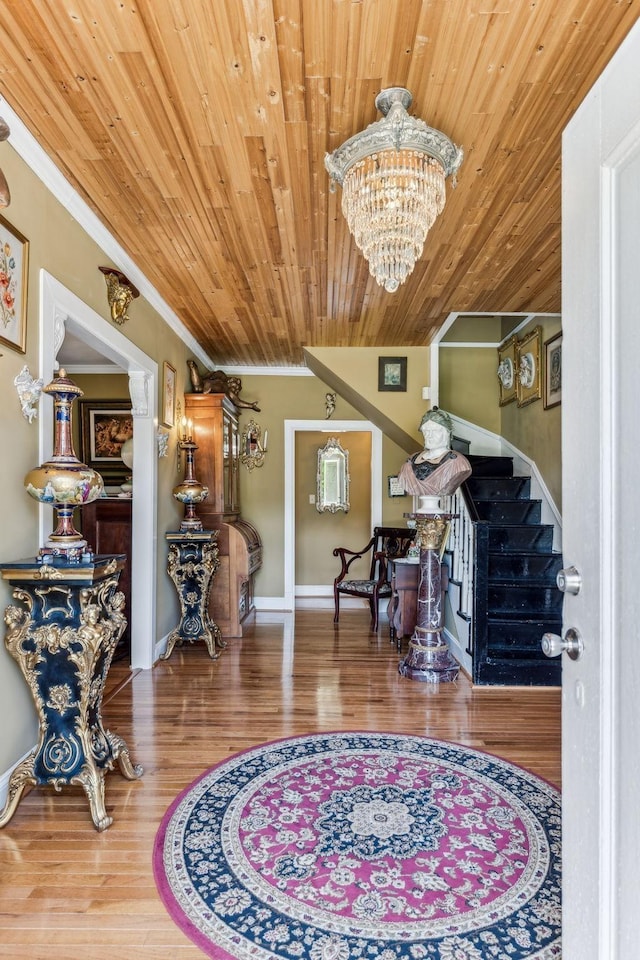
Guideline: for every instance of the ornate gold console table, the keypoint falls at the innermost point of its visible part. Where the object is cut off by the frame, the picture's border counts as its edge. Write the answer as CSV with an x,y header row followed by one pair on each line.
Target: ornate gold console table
x,y
193,561
63,634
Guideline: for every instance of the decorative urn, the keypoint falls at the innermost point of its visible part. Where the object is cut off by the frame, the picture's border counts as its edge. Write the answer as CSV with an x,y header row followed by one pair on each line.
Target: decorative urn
x,y
63,481
190,491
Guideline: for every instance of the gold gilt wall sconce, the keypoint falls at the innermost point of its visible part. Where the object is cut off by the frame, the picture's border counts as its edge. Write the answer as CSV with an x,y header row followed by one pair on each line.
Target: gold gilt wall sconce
x,y
120,293
252,445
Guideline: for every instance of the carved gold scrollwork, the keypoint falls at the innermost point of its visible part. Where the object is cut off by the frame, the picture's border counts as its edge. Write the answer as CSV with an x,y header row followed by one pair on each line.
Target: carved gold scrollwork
x,y
47,572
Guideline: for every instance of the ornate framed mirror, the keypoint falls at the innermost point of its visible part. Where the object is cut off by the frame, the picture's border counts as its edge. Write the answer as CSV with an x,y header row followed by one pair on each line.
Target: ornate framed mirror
x,y
332,478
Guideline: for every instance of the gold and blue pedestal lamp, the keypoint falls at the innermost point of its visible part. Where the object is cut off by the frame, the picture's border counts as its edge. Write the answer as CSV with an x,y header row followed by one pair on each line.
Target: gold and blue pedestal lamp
x,y
63,631
428,658
63,481
192,563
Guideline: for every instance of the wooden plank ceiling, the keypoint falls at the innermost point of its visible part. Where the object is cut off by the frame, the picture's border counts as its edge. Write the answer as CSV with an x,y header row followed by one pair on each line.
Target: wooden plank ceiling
x,y
197,129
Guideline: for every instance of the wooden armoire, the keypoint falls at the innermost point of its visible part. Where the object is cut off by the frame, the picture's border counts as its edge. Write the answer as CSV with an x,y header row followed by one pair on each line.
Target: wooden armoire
x,y
216,432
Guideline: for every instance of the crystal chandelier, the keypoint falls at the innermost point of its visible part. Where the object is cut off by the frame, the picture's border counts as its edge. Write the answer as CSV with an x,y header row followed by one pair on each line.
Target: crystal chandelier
x,y
393,185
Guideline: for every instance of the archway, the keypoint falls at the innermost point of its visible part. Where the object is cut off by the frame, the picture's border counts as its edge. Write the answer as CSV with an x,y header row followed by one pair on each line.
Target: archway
x,y
62,311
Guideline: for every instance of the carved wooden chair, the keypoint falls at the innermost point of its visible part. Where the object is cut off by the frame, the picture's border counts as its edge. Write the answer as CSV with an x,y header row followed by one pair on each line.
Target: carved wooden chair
x,y
387,543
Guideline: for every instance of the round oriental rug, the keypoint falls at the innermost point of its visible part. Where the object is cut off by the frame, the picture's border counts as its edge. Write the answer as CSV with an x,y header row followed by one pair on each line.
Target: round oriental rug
x,y
356,845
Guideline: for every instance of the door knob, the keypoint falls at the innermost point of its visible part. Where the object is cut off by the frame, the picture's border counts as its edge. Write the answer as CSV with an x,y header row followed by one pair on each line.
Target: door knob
x,y
572,644
569,580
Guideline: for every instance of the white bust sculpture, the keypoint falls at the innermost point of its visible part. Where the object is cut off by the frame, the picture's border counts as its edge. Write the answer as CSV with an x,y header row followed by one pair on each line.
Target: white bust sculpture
x,y
437,470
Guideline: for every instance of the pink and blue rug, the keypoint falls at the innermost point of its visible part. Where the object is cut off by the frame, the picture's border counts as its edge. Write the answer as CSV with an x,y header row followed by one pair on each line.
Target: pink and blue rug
x,y
359,846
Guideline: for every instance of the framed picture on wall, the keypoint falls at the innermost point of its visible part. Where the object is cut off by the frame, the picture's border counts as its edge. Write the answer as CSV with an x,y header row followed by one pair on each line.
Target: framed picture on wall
x,y
395,489
553,371
507,371
528,357
104,427
14,269
392,373
168,394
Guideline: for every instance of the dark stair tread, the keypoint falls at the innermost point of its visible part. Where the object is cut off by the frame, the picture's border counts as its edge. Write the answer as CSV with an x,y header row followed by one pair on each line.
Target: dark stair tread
x,y
487,466
526,618
504,512
499,488
516,537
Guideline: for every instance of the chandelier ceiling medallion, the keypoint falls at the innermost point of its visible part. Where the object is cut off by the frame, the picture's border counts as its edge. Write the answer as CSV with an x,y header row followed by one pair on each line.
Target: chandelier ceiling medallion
x,y
393,185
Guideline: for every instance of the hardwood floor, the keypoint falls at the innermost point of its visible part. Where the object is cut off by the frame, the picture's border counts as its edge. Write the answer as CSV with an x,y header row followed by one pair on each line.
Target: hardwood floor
x,y
67,891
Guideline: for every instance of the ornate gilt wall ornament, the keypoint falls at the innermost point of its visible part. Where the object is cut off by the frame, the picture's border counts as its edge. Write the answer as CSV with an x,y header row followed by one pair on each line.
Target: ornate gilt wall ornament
x,y
252,447
120,293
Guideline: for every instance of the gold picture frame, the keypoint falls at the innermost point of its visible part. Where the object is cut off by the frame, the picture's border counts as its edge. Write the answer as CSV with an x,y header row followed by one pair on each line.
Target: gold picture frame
x,y
105,425
528,379
14,271
168,394
507,371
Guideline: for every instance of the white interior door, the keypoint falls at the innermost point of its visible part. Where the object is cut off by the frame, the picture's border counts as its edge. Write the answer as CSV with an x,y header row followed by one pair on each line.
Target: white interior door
x,y
601,506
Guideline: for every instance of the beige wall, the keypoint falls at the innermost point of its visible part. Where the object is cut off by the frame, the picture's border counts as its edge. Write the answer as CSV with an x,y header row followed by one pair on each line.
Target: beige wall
x,y
58,244
469,389
262,490
536,431
318,533
468,385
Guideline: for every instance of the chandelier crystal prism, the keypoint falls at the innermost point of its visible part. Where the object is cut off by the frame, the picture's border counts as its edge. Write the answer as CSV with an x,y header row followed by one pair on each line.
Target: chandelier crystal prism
x,y
393,185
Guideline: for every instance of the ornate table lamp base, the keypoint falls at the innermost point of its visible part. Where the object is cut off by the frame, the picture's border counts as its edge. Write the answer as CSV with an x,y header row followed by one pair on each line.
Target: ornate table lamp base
x,y
428,658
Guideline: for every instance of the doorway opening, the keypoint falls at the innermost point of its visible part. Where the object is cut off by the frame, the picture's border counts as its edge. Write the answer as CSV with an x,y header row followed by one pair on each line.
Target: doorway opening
x,y
291,427
61,311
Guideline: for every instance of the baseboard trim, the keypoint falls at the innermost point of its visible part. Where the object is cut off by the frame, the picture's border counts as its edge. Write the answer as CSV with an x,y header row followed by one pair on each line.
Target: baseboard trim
x,y
458,652
6,776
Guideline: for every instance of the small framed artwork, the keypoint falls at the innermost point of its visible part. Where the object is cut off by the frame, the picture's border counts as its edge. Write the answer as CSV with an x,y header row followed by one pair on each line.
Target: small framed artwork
x,y
168,394
553,371
392,374
507,371
395,489
104,427
14,275
528,379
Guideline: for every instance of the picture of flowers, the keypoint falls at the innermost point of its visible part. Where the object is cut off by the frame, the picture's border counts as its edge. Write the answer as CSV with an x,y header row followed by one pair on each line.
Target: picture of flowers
x,y
14,264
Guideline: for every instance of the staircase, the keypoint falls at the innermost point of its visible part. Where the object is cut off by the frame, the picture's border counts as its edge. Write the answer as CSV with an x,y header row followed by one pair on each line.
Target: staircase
x,y
516,599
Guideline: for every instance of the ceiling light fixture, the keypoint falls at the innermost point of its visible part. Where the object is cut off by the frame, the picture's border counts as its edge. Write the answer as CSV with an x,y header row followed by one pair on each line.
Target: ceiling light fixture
x,y
393,185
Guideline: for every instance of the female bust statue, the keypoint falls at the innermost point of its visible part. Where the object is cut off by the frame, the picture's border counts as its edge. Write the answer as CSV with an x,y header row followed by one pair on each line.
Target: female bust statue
x,y
437,470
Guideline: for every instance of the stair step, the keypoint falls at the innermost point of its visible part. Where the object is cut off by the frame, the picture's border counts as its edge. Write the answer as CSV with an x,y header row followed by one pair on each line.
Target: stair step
x,y
486,466
541,567
506,600
530,671
519,638
499,488
509,511
508,538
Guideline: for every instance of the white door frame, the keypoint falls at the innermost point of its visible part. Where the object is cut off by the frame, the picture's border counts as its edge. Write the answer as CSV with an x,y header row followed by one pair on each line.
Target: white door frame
x,y
338,426
61,311
601,464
